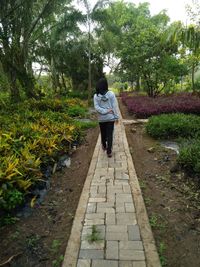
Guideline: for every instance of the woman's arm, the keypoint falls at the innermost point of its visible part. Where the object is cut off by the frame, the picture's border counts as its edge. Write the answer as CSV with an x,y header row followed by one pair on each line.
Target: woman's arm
x,y
114,106
100,109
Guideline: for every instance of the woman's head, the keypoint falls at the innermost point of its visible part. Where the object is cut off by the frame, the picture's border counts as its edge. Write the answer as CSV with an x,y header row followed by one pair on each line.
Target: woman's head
x,y
102,86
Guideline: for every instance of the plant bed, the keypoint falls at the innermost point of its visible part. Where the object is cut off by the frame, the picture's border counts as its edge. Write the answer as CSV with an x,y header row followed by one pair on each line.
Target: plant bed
x,y
41,238
144,106
171,198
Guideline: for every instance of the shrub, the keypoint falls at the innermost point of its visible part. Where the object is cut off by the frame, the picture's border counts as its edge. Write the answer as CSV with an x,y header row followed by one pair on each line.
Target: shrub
x,y
174,125
10,198
76,94
76,111
189,157
144,106
179,126
33,134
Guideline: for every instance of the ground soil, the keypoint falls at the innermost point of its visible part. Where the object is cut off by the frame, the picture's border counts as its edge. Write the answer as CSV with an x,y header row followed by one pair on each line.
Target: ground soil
x,y
171,198
40,239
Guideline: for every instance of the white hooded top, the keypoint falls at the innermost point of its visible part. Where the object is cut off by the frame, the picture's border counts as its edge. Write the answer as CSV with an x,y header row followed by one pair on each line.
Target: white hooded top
x,y
104,103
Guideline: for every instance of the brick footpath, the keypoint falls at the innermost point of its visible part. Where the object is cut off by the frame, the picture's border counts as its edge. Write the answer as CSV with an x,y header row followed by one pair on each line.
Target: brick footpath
x,y
111,211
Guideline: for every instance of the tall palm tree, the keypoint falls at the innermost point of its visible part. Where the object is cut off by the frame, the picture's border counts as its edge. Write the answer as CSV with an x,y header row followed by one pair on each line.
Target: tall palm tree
x,y
189,36
90,19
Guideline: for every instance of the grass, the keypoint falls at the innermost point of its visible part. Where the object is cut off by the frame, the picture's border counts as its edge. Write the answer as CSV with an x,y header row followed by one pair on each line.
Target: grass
x,y
95,235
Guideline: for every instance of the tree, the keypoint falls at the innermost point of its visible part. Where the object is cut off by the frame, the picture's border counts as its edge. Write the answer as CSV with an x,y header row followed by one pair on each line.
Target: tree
x,y
188,38
20,21
90,19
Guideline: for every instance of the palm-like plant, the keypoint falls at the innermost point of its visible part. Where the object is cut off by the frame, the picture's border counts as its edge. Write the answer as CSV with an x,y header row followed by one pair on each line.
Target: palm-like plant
x,y
189,37
90,18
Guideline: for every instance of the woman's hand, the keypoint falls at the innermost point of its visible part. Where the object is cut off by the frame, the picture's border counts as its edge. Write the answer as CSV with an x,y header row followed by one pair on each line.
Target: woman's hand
x,y
110,111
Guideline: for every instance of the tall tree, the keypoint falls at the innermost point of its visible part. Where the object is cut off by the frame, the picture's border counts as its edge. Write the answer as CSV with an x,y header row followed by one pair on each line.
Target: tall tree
x,y
19,23
90,19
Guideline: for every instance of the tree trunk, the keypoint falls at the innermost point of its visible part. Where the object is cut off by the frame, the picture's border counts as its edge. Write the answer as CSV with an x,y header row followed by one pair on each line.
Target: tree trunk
x,y
193,70
63,82
137,88
14,90
28,84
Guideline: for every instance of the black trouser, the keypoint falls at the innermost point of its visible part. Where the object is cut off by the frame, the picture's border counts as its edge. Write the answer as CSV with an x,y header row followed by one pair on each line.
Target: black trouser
x,y
107,135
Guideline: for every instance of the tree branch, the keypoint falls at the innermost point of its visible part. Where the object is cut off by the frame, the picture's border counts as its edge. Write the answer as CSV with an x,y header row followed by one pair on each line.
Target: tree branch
x,y
37,19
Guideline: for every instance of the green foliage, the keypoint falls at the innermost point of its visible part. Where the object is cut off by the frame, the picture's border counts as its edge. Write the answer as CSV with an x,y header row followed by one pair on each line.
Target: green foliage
x,y
189,157
179,126
10,197
161,251
55,245
9,220
173,126
76,94
58,262
32,241
76,111
34,133
95,235
86,125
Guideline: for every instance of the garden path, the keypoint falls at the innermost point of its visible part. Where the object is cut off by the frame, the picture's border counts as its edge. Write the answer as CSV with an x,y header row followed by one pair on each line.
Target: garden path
x,y
111,227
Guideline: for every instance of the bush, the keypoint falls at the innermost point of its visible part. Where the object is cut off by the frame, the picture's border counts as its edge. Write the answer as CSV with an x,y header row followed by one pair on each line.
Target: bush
x,y
180,126
33,134
76,111
10,198
189,157
144,106
174,125
76,94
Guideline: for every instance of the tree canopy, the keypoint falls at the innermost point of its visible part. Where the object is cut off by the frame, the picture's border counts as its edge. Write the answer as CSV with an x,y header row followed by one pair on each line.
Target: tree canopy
x,y
147,50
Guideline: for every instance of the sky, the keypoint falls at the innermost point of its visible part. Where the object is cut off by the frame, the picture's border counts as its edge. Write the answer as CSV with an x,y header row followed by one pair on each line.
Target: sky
x,y
175,8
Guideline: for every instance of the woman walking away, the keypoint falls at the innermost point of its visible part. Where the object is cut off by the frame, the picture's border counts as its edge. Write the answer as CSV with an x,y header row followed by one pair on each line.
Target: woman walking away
x,y
105,104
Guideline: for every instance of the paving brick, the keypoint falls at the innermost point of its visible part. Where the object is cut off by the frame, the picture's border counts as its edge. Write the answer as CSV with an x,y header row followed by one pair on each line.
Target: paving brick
x,y
87,231
122,182
126,188
101,189
105,205
84,263
93,189
126,218
120,207
104,263
125,264
111,197
124,198
110,219
116,228
102,199
115,164
102,164
91,254
99,244
91,207
130,254
112,250
106,210
133,232
139,264
113,236
129,207
91,216
94,221
134,245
